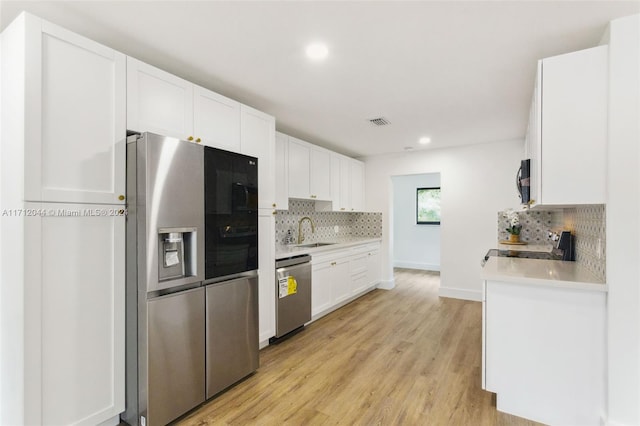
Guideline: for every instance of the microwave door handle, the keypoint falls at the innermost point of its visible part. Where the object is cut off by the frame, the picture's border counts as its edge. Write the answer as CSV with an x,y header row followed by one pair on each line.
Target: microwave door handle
x,y
518,182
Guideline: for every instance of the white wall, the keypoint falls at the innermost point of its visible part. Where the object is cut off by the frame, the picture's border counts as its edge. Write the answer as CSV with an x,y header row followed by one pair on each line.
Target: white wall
x,y
623,222
479,181
415,246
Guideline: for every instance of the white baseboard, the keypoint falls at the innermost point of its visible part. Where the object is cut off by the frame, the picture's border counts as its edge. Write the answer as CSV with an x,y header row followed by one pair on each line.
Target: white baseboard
x,y
387,284
460,293
416,265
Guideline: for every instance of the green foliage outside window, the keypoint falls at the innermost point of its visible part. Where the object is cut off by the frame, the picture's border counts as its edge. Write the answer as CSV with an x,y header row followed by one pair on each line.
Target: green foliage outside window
x,y
428,203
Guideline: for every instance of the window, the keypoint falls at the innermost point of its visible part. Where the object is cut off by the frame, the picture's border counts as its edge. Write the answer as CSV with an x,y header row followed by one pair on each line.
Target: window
x,y
428,206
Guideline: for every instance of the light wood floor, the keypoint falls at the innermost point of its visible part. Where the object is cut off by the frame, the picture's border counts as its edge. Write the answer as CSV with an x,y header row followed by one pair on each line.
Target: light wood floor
x,y
399,357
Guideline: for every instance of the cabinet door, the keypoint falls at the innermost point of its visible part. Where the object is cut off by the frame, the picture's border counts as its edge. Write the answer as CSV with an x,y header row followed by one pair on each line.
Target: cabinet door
x,y
216,119
299,158
341,280
281,175
335,181
257,138
75,117
158,102
321,288
267,274
358,273
320,174
75,265
549,368
374,269
357,185
345,184
574,127
534,143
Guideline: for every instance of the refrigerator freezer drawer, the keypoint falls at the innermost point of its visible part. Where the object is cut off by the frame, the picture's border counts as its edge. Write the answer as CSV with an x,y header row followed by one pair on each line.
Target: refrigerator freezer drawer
x,y
176,355
232,332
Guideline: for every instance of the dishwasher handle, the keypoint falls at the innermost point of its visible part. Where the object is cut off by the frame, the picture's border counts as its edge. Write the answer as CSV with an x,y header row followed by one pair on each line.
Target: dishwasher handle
x,y
292,261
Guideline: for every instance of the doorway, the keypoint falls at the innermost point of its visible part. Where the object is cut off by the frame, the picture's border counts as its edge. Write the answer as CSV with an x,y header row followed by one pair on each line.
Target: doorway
x,y
416,243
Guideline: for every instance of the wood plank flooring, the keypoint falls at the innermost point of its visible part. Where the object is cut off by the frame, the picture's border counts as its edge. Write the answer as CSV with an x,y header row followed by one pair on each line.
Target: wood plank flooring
x,y
399,357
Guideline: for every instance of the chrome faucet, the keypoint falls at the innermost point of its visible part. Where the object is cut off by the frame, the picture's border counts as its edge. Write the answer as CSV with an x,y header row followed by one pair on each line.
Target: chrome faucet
x,y
300,234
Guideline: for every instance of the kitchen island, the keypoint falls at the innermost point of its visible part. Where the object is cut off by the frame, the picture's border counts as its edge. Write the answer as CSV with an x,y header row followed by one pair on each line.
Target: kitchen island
x,y
544,340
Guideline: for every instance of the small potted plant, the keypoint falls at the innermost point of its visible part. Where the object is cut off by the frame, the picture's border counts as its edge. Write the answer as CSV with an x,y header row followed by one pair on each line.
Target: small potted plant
x,y
515,227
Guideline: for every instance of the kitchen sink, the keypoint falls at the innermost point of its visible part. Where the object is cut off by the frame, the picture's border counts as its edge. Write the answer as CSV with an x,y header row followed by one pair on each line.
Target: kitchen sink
x,y
310,245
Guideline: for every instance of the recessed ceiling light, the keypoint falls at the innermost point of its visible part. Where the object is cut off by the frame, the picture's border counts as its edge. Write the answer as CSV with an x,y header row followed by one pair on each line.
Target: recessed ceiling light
x,y
424,140
317,51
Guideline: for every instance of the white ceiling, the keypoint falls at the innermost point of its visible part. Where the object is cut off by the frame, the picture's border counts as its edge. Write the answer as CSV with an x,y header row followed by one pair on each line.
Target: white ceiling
x,y
459,72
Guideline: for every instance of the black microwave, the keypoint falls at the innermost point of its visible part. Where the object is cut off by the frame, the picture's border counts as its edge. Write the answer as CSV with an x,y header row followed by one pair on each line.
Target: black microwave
x,y
523,181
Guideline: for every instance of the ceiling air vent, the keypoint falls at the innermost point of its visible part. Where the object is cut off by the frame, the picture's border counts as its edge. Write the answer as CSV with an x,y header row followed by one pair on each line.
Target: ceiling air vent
x,y
380,121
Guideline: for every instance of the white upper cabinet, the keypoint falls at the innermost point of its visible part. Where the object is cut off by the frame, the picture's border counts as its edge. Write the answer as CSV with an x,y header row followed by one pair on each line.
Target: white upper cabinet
x,y
357,185
281,175
163,103
298,168
216,119
320,173
257,135
158,102
345,184
315,173
567,140
309,171
73,116
340,182
335,181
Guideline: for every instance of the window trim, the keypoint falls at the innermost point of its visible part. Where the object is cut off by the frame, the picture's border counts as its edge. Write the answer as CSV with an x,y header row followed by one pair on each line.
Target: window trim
x,y
418,222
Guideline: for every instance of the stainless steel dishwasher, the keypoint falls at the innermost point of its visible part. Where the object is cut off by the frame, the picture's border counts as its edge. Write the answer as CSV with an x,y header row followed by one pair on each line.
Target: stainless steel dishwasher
x,y
293,294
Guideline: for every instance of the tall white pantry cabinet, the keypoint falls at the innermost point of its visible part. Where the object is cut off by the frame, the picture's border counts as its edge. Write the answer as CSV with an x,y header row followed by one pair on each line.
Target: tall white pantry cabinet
x,y
62,234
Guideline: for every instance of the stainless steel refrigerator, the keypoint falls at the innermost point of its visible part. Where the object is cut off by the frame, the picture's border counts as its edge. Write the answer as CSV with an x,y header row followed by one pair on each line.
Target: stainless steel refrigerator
x,y
184,333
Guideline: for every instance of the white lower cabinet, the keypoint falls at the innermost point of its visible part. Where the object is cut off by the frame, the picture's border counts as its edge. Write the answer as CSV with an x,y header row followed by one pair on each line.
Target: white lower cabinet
x,y
330,281
544,351
358,267
321,288
340,280
374,265
339,277
266,276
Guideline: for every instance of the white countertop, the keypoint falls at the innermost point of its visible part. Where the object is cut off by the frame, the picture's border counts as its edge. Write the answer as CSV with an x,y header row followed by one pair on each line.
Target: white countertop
x,y
282,251
554,273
